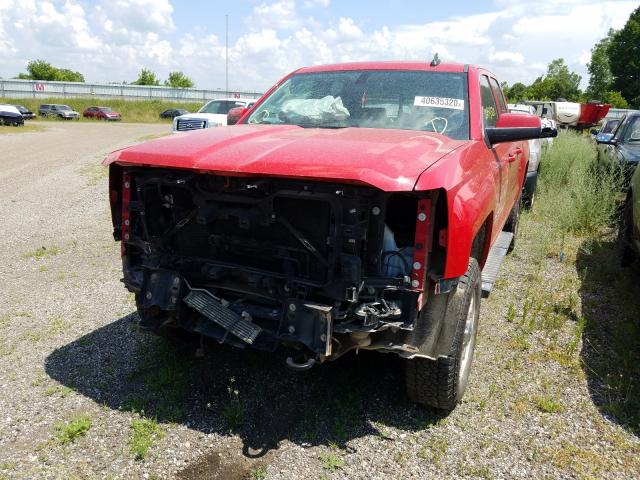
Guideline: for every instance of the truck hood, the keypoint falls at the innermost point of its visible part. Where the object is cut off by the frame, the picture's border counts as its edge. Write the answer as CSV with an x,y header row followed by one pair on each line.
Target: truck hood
x,y
212,118
391,160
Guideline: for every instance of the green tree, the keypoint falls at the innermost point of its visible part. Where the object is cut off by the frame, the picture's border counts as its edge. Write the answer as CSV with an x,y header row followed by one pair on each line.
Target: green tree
x,y
179,80
42,70
517,92
624,59
616,99
600,77
559,82
146,77
67,75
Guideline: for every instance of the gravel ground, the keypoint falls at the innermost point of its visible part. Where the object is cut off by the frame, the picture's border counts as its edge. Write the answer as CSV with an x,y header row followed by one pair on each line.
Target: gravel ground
x,y
70,352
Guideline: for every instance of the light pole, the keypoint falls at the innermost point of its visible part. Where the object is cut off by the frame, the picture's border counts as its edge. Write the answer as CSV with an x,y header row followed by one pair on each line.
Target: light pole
x,y
226,47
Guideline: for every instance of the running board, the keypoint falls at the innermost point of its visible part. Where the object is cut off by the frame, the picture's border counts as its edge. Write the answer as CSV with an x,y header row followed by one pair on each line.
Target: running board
x,y
494,260
226,318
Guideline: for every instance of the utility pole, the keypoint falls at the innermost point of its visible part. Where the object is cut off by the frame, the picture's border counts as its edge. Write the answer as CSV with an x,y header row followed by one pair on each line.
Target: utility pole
x,y
226,44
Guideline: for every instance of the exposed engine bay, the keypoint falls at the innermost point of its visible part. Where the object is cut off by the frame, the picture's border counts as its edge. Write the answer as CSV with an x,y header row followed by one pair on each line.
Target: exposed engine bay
x,y
266,262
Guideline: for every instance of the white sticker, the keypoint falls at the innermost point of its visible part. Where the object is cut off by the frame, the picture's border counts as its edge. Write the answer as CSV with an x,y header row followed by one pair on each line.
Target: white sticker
x,y
440,102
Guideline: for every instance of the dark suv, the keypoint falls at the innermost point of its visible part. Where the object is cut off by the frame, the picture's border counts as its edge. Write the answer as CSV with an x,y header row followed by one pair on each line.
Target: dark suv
x,y
60,111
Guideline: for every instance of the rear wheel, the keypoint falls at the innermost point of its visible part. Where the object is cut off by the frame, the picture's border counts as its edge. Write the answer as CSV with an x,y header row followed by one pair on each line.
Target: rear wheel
x,y
441,383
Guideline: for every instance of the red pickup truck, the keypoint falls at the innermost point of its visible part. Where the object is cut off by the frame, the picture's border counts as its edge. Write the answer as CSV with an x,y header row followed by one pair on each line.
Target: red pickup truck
x,y
355,206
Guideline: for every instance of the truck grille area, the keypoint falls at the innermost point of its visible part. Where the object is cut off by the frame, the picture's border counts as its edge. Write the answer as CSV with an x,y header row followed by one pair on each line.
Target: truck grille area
x,y
293,260
186,124
308,232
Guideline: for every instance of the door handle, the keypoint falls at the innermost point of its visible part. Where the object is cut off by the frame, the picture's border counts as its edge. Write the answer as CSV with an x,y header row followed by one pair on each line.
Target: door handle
x,y
513,154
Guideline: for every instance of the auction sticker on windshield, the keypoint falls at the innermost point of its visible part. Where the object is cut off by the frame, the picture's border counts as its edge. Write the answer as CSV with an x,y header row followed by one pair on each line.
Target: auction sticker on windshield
x,y
440,102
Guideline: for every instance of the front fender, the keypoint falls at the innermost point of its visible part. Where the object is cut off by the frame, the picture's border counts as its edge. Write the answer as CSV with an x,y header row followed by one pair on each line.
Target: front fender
x,y
471,178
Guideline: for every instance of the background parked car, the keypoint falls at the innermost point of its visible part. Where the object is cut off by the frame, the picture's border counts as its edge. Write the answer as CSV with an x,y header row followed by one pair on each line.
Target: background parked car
x,y
623,148
535,152
57,110
173,112
212,114
629,230
9,115
236,112
101,113
606,130
25,112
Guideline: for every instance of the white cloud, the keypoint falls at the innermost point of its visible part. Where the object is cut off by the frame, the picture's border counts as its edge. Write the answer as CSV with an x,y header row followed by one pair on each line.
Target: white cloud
x,y
504,57
317,3
112,39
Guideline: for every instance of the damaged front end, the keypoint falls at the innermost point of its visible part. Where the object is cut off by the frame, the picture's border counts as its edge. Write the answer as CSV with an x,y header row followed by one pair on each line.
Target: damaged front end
x,y
320,267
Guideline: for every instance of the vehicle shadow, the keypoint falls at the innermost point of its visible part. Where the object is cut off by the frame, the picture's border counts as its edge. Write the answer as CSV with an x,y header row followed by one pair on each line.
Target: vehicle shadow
x,y
610,352
241,392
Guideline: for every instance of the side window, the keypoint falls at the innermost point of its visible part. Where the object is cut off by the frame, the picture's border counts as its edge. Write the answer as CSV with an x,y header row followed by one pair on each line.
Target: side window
x,y
620,128
499,95
489,110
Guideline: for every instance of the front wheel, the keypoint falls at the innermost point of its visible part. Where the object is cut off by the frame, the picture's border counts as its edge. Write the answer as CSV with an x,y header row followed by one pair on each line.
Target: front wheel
x,y
441,383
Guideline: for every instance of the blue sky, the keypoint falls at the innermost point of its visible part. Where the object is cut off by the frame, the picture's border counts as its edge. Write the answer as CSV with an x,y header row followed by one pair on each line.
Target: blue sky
x,y
373,14
111,40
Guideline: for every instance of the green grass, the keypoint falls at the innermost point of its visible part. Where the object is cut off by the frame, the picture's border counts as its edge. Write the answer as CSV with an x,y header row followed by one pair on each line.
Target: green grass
x,y
77,427
8,130
331,462
547,404
145,111
144,433
42,252
576,197
259,473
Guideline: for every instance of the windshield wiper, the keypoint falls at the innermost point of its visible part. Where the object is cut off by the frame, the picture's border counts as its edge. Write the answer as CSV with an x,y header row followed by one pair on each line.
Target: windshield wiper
x,y
317,125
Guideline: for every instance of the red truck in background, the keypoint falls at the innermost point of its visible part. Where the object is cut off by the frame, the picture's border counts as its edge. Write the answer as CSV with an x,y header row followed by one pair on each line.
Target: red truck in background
x,y
355,206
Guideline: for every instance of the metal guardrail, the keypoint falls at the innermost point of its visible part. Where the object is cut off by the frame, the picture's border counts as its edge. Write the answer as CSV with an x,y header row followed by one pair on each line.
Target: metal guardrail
x,y
43,89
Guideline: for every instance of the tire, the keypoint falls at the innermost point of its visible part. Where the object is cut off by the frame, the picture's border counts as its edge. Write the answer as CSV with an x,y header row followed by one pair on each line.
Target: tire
x,y
625,235
529,196
513,221
441,383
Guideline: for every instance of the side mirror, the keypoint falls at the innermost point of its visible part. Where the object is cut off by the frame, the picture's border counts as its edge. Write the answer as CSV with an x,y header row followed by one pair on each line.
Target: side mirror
x,y
548,132
235,114
512,127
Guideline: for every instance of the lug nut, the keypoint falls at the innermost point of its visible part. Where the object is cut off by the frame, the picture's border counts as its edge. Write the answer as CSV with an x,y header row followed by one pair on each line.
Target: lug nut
x,y
292,307
415,283
422,216
292,329
149,295
417,266
375,210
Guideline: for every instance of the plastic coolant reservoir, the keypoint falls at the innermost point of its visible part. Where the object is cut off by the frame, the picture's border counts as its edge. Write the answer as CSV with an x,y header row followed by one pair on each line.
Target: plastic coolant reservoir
x,y
395,264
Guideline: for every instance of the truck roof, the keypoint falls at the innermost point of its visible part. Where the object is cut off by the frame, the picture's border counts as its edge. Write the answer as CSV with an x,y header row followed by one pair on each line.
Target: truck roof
x,y
388,65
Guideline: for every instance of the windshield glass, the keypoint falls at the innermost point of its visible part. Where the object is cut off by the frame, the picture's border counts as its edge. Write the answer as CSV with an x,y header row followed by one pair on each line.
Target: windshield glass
x,y
220,106
633,131
406,100
62,107
610,126
105,109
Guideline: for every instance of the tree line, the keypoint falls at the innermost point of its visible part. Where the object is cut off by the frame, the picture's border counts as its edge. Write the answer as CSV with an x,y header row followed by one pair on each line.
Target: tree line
x,y
42,70
614,73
